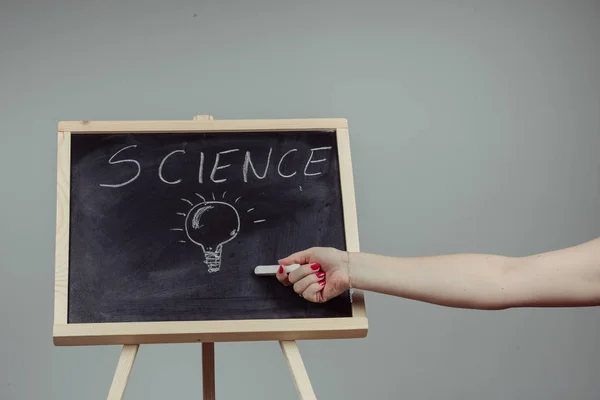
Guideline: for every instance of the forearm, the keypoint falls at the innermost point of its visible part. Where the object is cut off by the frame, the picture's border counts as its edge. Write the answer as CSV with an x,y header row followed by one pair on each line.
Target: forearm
x,y
461,280
562,278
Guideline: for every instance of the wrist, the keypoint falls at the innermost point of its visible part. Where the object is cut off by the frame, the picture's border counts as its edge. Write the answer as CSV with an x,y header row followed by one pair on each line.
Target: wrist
x,y
351,265
358,278
348,266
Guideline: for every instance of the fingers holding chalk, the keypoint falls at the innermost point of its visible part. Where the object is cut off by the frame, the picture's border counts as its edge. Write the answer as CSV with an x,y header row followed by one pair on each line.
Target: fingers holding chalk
x,y
281,272
314,292
301,285
303,271
282,276
301,257
308,280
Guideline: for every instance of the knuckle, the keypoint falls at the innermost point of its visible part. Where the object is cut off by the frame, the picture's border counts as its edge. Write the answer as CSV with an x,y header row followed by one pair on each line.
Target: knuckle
x,y
299,287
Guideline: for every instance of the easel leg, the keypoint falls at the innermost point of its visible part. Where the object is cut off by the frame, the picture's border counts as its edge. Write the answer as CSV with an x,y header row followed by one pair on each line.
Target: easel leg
x,y
294,360
208,371
208,349
128,354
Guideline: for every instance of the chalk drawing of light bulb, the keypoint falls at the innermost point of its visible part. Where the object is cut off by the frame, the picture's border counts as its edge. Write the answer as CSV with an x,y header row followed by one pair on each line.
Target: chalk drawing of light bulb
x,y
210,225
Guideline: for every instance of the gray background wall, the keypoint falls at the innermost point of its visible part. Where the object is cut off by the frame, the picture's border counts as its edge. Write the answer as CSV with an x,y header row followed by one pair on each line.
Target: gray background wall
x,y
475,127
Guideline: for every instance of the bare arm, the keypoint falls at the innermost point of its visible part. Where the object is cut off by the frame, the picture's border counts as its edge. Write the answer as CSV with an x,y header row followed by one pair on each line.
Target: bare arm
x,y
568,277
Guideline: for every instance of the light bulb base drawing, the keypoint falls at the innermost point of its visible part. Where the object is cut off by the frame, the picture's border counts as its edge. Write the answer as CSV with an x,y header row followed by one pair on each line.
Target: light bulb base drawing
x,y
212,259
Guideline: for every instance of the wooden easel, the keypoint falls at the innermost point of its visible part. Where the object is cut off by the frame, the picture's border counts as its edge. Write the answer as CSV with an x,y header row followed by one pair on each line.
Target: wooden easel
x,y
288,347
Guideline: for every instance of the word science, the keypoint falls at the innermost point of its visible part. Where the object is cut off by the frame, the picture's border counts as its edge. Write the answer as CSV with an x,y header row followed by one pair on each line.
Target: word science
x,y
217,167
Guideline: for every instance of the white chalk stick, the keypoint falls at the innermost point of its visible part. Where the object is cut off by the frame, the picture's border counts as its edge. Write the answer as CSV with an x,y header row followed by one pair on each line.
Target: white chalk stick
x,y
272,269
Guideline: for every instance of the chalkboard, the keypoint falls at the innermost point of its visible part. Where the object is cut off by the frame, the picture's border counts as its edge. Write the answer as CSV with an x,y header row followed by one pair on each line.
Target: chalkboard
x,y
168,226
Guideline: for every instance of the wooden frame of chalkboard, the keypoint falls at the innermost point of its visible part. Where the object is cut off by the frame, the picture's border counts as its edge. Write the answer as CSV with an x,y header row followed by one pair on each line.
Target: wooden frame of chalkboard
x,y
66,333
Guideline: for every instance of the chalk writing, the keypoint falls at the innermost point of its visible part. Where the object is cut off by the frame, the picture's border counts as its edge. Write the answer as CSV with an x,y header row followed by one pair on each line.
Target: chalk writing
x,y
201,168
219,170
248,162
279,165
310,161
110,161
162,163
216,167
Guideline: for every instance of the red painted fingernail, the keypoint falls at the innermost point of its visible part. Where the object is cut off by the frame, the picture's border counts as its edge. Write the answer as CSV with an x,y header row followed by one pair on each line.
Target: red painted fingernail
x,y
322,283
320,275
280,269
315,267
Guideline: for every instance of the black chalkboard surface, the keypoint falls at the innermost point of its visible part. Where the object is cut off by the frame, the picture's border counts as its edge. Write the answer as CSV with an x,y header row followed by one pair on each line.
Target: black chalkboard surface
x,y
169,226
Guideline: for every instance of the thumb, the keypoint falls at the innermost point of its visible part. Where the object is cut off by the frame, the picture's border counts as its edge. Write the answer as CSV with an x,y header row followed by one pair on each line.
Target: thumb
x,y
301,257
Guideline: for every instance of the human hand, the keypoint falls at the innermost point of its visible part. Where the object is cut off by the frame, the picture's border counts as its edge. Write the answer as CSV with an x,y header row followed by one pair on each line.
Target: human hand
x,y
322,275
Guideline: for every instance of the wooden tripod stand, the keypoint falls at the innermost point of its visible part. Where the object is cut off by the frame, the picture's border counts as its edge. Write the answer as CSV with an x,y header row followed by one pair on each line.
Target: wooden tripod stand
x,y
289,348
